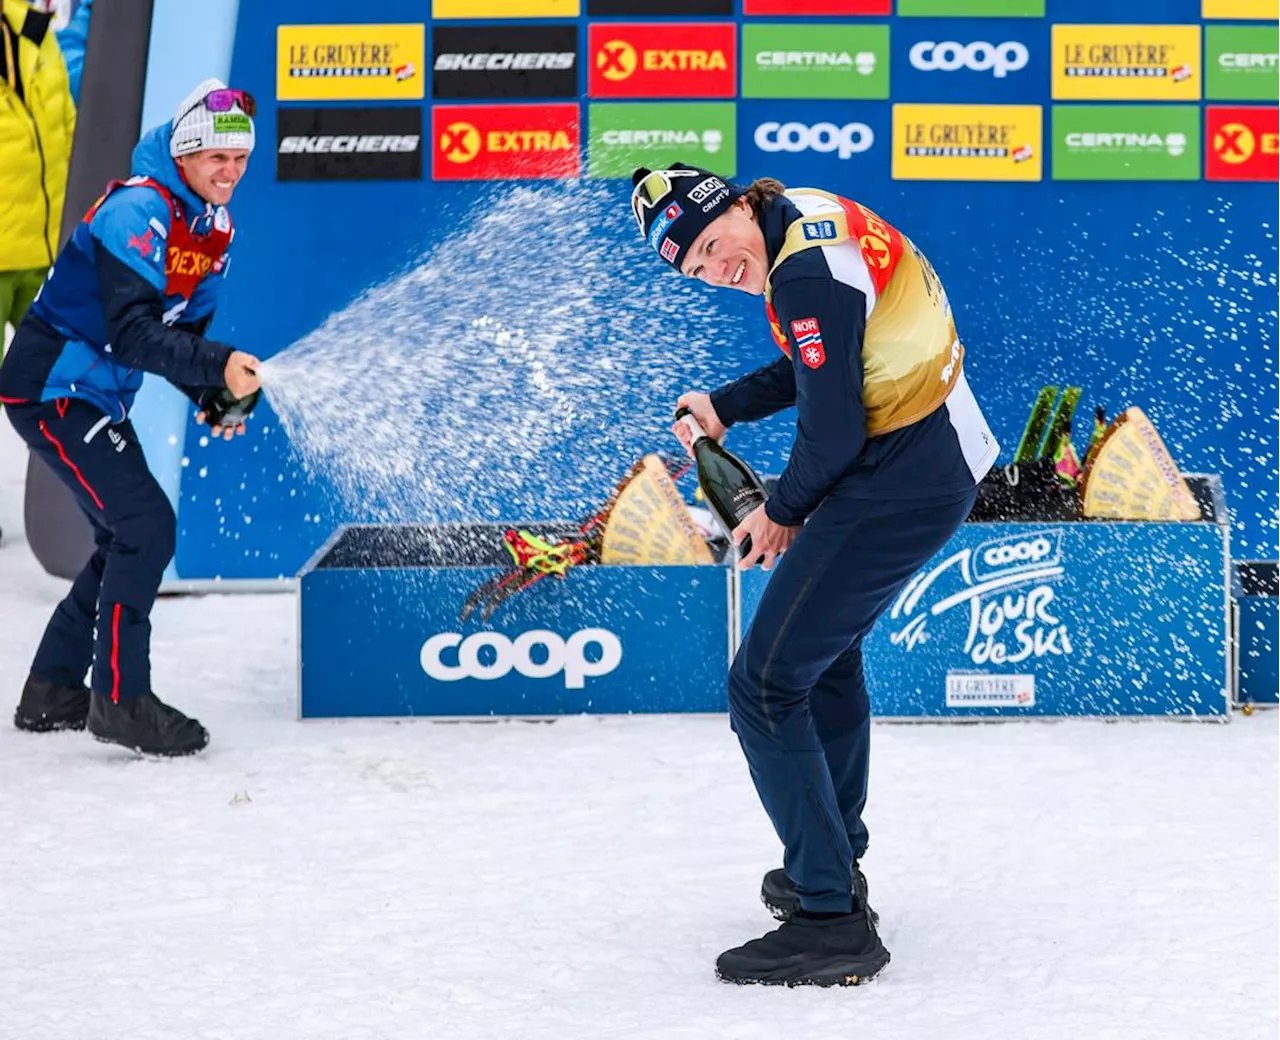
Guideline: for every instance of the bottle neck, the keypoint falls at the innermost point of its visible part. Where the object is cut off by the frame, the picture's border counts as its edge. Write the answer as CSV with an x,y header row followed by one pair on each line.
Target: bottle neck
x,y
695,428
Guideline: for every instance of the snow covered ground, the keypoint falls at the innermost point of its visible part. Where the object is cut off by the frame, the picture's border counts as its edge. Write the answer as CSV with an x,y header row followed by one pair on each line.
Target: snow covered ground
x,y
575,881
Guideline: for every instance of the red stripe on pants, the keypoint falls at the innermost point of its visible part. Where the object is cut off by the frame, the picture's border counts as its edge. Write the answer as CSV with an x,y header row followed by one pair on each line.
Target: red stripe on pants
x,y
115,654
74,468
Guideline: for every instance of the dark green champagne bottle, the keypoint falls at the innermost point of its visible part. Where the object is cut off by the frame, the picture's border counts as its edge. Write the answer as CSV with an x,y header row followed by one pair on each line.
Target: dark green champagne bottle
x,y
728,484
223,408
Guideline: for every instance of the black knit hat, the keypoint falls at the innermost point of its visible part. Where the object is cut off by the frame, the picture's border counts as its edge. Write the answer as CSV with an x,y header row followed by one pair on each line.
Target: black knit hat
x,y
672,206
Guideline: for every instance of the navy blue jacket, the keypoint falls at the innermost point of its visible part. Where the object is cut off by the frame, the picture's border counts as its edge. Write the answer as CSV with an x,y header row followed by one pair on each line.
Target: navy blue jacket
x,y
104,317
946,452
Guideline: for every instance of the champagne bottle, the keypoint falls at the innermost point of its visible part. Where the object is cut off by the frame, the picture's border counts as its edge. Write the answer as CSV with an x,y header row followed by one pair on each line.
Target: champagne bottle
x,y
223,408
728,484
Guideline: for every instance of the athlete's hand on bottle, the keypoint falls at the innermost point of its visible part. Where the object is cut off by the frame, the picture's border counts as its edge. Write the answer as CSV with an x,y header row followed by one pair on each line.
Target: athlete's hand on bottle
x,y
704,411
225,432
241,373
769,540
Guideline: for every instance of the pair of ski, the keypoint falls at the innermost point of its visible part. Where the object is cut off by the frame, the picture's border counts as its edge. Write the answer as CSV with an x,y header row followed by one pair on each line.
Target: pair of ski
x,y
1047,434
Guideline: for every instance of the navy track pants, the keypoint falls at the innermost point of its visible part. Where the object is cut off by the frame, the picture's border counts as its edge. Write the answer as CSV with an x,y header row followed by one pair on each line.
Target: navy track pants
x,y
104,622
797,696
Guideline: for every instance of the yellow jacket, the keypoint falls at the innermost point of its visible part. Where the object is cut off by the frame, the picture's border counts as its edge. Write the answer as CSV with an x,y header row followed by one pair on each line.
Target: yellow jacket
x,y
36,127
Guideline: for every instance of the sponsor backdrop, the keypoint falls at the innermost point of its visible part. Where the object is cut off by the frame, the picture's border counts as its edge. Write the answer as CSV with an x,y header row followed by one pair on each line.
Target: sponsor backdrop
x,y
1095,183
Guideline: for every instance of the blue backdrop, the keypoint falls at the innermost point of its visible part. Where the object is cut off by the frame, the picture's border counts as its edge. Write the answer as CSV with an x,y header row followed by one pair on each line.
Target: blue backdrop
x,y
1158,294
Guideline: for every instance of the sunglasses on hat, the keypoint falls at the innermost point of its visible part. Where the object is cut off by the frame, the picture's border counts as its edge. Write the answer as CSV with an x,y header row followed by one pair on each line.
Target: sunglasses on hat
x,y
223,100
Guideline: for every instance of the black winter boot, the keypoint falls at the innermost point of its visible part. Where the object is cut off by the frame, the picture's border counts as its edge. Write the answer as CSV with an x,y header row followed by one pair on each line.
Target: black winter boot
x,y
809,950
145,724
47,706
778,893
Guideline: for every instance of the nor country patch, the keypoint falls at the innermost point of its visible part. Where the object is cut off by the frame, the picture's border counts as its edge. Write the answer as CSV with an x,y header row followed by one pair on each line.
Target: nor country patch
x,y
808,338
660,225
669,250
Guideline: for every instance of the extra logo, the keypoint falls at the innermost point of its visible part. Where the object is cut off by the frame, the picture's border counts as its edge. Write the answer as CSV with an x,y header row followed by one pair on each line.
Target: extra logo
x,y
657,60
801,7
846,141
494,142
1009,587
1243,144
808,339
999,59
487,656
349,62
1126,62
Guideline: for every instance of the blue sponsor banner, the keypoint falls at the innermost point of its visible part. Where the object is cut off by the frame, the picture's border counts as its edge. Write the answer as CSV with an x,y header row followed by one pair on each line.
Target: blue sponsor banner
x,y
980,60
1069,619
788,140
387,642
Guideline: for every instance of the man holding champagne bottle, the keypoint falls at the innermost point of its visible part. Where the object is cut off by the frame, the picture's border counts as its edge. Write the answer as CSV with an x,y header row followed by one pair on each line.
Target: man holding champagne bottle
x,y
132,291
889,448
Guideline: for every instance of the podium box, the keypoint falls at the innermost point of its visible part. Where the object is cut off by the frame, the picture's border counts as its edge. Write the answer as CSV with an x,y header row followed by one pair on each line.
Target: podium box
x,y
379,633
1058,619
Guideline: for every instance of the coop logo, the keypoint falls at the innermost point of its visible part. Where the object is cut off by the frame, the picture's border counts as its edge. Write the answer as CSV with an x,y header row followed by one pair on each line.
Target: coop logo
x,y
1121,62
349,62
448,657
846,141
493,142
999,59
655,60
1009,587
1243,144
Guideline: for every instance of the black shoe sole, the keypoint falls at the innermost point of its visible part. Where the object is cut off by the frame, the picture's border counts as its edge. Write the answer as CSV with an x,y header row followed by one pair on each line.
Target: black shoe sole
x,y
165,753
836,973
45,725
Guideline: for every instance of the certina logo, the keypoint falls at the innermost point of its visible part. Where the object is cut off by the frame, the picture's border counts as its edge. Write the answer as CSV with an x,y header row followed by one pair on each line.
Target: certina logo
x,y
1249,61
492,655
462,142
1175,144
516,61
863,62
844,140
999,59
618,60
1008,585
345,144
709,140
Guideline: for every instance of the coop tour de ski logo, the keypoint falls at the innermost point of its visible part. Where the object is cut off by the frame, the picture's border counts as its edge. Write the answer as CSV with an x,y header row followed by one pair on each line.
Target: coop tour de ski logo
x,y
1007,584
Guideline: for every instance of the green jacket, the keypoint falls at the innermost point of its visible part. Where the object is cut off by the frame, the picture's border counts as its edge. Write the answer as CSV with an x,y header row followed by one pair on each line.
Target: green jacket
x,y
37,121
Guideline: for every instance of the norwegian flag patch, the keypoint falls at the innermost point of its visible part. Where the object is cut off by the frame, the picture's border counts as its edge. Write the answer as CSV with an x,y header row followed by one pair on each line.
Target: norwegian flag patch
x,y
809,341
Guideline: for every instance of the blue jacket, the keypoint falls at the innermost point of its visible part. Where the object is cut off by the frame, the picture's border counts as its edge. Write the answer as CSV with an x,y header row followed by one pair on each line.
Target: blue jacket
x,y
824,315
73,40
104,317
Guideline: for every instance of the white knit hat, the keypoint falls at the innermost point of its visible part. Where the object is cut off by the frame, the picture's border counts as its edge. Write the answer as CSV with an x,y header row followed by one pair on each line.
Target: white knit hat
x,y
196,129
